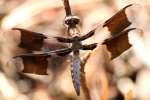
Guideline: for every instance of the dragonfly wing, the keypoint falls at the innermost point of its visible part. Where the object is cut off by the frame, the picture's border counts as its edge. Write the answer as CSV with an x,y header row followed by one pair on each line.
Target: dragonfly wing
x,y
118,44
30,40
39,63
35,63
118,22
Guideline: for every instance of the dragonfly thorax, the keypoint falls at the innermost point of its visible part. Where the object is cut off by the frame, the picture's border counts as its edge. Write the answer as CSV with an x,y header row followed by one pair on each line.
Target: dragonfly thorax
x,y
76,45
73,32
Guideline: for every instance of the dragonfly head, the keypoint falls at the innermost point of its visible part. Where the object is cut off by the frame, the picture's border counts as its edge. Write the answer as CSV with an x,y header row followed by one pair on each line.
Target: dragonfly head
x,y
72,21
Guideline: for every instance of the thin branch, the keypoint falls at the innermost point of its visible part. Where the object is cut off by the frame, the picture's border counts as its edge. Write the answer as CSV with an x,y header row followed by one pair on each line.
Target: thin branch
x,y
83,79
67,7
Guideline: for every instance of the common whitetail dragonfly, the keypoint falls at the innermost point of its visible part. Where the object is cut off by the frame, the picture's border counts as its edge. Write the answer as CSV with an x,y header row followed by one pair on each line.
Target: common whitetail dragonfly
x,y
37,63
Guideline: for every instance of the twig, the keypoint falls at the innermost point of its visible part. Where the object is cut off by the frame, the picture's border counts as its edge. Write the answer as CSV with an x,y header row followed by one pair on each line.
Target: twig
x,y
67,7
83,79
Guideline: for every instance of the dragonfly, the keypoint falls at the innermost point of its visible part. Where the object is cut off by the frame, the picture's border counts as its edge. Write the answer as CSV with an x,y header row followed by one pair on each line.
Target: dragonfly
x,y
37,63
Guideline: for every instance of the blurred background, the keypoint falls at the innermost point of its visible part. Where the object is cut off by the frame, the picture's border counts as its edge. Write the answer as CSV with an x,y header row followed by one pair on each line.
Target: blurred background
x,y
128,73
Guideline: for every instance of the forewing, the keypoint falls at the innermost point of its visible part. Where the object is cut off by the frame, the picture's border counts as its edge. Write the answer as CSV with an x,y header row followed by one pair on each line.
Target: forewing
x,y
118,22
88,35
31,40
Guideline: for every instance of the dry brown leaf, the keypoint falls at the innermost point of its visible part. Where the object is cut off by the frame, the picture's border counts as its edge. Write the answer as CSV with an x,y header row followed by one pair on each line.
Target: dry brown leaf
x,y
129,95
